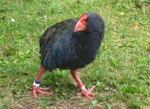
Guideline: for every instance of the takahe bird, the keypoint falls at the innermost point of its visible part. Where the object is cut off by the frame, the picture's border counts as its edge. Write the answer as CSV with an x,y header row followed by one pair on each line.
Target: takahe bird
x,y
70,44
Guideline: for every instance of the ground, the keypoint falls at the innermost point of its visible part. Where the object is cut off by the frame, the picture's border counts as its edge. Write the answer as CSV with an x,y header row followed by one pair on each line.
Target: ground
x,y
76,102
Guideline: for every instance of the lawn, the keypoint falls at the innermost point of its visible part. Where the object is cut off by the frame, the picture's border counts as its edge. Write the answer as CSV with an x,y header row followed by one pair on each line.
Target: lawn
x,y
121,70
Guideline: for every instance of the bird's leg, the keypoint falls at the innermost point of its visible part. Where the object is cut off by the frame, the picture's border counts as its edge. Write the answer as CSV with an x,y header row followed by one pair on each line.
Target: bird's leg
x,y
87,93
36,84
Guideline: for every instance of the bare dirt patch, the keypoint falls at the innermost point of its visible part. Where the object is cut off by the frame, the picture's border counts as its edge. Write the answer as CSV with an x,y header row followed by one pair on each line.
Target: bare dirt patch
x,y
28,102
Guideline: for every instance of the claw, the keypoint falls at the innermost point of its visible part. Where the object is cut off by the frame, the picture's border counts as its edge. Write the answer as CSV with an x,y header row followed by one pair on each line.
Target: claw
x,y
43,88
87,93
40,91
92,89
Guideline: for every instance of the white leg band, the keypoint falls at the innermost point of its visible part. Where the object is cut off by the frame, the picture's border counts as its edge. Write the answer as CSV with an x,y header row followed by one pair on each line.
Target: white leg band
x,y
35,84
83,88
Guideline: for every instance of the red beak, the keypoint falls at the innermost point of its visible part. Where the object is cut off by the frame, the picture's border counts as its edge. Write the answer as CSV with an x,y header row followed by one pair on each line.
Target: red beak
x,y
80,26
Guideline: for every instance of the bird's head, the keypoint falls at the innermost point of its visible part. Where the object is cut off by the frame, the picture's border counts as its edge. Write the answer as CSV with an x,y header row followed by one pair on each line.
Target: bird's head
x,y
81,25
89,22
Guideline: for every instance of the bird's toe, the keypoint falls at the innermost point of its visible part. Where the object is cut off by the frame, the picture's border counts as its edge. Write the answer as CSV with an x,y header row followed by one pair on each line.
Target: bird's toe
x,y
87,93
39,90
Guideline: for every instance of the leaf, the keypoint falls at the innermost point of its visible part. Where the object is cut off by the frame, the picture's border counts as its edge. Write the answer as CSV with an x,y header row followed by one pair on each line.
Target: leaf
x,y
12,19
98,83
136,25
94,102
109,105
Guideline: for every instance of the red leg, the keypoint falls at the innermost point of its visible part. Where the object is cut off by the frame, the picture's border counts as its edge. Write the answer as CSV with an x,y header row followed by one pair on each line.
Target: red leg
x,y
40,73
87,93
36,84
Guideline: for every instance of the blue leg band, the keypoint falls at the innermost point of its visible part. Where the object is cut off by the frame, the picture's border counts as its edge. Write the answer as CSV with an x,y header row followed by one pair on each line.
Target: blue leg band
x,y
36,83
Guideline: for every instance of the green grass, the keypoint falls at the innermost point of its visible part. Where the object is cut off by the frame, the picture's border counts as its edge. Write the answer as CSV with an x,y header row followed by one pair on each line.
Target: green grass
x,y
121,71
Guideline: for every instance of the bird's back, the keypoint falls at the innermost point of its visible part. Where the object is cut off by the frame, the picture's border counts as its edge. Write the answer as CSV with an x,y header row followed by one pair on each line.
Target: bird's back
x,y
54,44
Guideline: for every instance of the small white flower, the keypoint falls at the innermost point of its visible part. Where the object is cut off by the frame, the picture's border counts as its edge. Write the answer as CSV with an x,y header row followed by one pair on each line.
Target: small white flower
x,y
45,17
12,19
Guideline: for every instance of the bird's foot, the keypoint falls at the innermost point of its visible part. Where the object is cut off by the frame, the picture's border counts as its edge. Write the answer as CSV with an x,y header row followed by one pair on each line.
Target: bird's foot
x,y
87,93
40,90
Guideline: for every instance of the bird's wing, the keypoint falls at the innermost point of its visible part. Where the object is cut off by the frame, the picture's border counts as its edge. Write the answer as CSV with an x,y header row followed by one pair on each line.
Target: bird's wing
x,y
55,43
